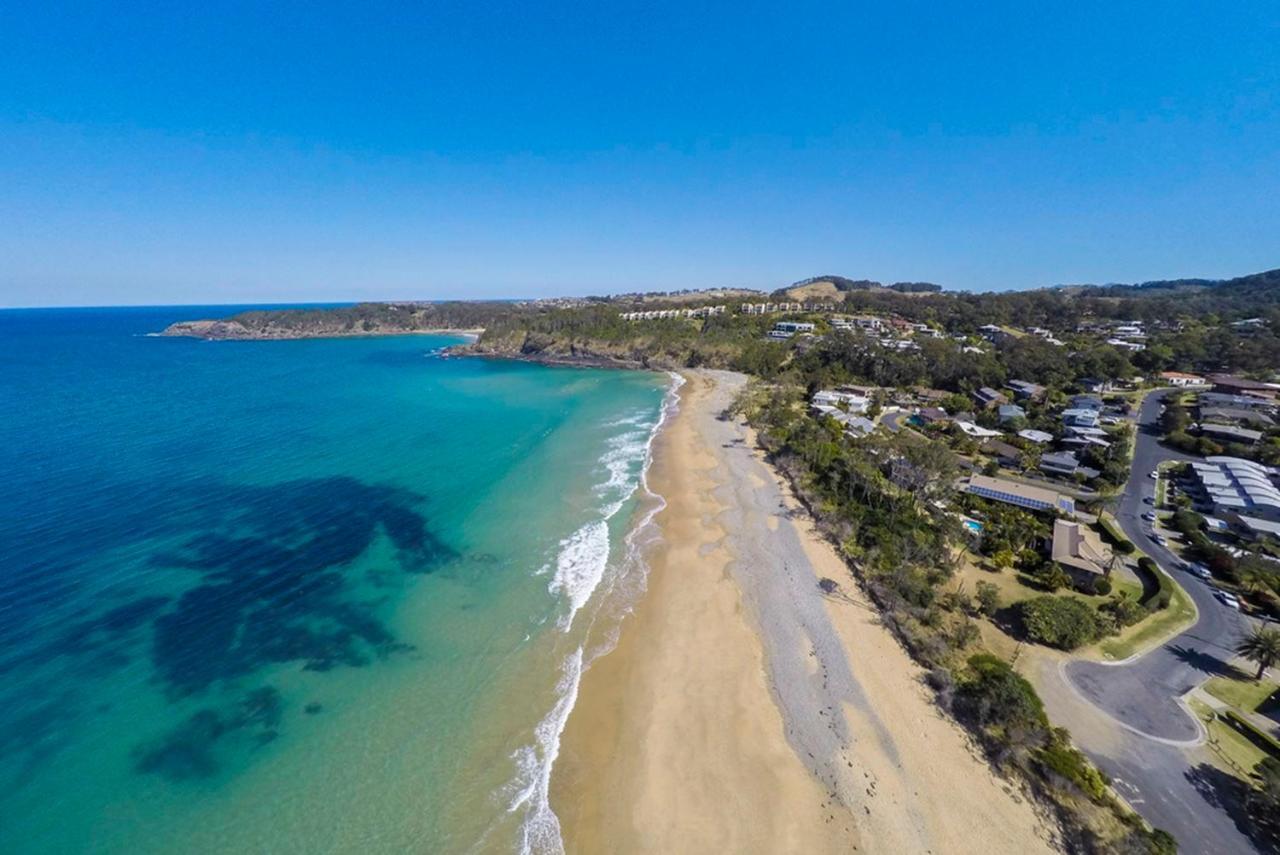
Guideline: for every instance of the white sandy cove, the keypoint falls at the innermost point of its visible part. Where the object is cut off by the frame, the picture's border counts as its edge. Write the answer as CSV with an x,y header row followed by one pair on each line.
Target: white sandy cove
x,y
730,718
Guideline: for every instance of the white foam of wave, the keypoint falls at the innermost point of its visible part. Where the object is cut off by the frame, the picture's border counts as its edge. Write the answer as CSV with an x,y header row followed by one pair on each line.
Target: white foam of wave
x,y
580,567
540,831
584,555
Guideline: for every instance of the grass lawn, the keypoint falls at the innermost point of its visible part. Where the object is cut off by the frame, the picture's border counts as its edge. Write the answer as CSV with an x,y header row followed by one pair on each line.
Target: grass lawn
x,y
1235,753
1244,694
1159,626
1016,586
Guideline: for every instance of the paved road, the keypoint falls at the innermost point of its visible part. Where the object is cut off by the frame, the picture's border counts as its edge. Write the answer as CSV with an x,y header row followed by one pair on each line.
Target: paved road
x,y
1153,763
1143,693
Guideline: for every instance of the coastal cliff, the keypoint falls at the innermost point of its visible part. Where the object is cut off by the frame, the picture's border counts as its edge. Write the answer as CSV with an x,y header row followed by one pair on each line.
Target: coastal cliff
x,y
541,347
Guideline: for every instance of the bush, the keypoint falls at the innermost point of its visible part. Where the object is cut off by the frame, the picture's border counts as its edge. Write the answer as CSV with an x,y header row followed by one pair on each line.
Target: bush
x,y
1060,760
1124,610
1163,595
1052,577
1059,622
999,701
1124,547
1101,586
988,598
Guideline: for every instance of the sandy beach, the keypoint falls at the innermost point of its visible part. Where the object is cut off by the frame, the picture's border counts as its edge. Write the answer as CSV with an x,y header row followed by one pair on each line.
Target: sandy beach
x,y
744,711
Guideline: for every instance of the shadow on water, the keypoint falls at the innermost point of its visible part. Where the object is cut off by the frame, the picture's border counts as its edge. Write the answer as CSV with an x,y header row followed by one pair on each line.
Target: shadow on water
x,y
275,585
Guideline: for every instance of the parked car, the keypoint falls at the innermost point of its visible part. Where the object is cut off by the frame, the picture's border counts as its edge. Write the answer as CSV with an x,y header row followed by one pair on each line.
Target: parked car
x,y
1149,516
1149,500
1160,539
1155,474
1199,571
1227,599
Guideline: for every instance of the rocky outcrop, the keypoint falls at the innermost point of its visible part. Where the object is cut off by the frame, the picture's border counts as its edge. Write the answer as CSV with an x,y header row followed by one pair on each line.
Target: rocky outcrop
x,y
536,347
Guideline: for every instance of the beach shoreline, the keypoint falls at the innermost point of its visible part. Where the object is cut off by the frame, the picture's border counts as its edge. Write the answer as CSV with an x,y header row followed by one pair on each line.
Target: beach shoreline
x,y
729,715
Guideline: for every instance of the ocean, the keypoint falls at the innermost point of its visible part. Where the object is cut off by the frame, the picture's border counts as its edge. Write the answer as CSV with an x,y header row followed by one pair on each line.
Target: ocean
x,y
300,596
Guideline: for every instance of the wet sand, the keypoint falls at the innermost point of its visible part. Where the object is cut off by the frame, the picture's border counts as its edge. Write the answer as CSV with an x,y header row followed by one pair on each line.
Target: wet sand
x,y
742,710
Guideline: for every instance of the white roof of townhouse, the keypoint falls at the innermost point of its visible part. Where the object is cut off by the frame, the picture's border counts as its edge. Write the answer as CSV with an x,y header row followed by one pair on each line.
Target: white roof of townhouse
x,y
1232,482
1036,435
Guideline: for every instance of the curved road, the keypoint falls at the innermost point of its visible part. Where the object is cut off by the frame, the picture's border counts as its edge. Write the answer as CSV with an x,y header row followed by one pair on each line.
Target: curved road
x,y
1143,692
1153,763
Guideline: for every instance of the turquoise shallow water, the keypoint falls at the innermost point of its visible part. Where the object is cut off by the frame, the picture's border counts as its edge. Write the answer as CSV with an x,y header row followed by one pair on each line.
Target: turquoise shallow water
x,y
314,596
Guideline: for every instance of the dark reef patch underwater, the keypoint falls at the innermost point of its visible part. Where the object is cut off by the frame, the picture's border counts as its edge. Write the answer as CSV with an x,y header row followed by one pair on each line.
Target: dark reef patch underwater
x,y
276,582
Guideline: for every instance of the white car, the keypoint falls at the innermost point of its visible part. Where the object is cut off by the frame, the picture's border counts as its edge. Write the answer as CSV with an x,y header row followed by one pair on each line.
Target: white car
x,y
1149,516
1199,571
1160,539
1155,474
1228,600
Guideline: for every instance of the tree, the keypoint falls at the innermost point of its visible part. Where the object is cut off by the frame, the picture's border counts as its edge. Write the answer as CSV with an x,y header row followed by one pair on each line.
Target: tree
x,y
988,598
995,698
1262,647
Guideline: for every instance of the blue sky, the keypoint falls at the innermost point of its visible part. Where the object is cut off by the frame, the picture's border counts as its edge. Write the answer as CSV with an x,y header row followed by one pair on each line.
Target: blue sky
x,y
184,153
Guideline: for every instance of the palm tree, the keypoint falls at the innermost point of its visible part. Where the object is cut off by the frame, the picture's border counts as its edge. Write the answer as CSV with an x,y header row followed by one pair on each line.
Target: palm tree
x,y
1261,646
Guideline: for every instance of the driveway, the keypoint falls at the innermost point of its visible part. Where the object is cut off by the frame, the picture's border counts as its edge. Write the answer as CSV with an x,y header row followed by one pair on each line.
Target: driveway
x,y
1154,760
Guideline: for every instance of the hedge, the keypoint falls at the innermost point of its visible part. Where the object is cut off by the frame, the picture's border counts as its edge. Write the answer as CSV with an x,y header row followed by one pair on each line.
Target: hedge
x,y
1112,534
1163,593
1246,728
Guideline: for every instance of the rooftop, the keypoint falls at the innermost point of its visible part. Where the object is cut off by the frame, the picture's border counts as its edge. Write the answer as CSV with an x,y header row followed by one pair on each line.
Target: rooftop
x,y
983,484
1078,547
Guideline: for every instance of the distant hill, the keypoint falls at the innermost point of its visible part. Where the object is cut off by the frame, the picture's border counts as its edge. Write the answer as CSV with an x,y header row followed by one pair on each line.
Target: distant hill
x,y
1255,293
832,287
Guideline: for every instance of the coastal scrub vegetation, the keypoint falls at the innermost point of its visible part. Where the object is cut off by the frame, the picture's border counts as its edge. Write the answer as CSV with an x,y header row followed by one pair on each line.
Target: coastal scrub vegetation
x,y
882,500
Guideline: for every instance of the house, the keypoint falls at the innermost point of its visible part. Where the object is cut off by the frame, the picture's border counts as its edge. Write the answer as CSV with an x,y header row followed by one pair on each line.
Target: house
x,y
1094,385
1230,433
1003,452
836,399
1083,440
924,393
1060,463
1086,402
786,329
1079,551
1025,391
986,398
1010,412
1039,437
1124,344
1227,384
931,416
1078,417
976,431
992,333
1217,399
858,426
1019,494
1179,378
1242,415
1079,430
